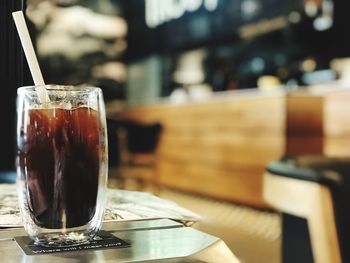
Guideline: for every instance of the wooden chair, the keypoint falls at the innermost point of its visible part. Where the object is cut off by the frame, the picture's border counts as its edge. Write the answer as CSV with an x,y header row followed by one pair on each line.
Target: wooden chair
x,y
137,152
313,194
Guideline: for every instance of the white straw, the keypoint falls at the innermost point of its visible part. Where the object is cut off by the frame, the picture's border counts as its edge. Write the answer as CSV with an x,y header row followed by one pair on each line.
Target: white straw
x,y
30,55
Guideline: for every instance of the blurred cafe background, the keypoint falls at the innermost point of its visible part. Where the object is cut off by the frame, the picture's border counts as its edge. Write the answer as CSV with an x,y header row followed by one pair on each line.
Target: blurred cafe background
x,y
201,96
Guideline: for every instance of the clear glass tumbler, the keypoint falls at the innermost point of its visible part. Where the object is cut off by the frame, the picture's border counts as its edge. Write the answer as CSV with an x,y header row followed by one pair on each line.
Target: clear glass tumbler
x,y
61,163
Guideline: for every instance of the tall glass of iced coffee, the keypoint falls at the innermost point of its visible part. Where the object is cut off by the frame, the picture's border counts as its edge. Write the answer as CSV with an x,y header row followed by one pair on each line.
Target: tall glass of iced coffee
x,y
61,163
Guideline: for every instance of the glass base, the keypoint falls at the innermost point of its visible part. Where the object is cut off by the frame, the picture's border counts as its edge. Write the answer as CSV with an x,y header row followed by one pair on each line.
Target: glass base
x,y
62,240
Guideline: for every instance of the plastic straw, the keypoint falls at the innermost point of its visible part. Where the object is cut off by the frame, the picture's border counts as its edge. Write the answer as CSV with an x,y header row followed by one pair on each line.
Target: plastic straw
x,y
30,55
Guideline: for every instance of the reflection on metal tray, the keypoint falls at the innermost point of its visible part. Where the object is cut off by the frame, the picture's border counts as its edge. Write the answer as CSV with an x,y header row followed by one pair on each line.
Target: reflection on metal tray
x,y
151,240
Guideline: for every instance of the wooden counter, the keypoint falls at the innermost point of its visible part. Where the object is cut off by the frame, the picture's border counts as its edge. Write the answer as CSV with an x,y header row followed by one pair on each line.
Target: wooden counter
x,y
319,122
220,148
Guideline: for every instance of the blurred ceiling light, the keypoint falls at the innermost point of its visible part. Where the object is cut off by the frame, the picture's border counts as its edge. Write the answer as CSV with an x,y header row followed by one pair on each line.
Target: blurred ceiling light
x,y
319,77
323,23
342,67
325,20
322,11
268,82
257,65
211,5
294,17
311,8
308,65
250,8
192,5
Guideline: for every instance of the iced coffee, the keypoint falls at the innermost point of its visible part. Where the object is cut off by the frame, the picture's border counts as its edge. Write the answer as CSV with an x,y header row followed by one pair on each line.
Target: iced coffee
x,y
62,163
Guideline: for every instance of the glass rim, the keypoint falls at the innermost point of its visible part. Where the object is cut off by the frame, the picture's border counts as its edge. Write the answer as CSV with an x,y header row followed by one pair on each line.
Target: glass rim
x,y
57,88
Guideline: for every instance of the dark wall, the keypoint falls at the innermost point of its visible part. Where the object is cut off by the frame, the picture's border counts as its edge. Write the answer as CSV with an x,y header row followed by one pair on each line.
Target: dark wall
x,y
198,28
203,28
12,75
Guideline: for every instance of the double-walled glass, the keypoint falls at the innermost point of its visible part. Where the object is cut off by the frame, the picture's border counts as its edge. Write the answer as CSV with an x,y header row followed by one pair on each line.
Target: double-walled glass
x,y
61,163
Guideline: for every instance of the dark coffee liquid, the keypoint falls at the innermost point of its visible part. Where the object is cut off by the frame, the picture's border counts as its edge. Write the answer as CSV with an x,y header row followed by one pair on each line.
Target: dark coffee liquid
x,y
59,158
